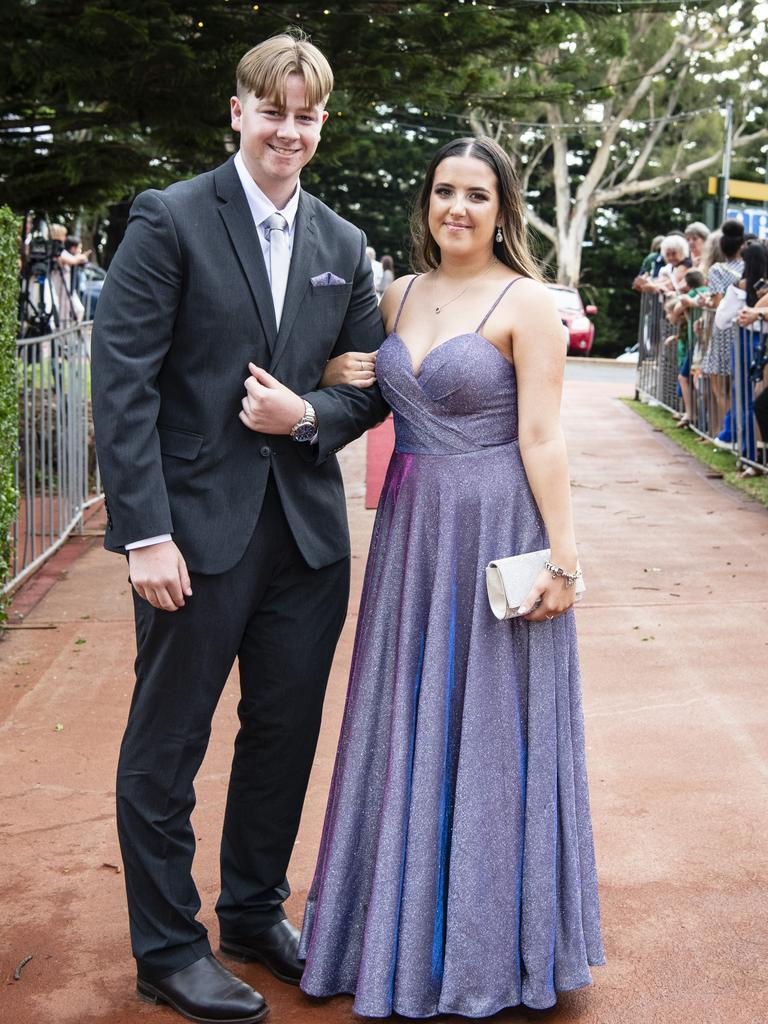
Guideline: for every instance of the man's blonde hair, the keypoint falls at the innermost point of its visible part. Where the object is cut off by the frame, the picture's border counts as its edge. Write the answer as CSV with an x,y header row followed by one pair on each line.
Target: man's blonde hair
x,y
264,70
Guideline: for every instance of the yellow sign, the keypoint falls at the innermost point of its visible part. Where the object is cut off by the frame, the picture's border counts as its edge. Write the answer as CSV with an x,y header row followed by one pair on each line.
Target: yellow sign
x,y
737,189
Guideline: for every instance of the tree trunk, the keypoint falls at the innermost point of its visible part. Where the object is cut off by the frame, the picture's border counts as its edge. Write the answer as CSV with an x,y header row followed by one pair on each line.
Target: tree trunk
x,y
570,240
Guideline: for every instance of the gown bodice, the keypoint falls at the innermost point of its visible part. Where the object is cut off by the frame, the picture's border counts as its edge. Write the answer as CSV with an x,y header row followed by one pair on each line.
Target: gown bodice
x,y
463,399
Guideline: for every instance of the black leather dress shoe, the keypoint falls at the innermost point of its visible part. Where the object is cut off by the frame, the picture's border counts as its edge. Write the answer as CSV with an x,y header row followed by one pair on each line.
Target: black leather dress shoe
x,y
277,948
207,993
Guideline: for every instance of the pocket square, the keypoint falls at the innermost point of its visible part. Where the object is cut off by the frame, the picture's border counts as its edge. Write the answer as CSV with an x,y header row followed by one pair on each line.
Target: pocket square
x,y
322,280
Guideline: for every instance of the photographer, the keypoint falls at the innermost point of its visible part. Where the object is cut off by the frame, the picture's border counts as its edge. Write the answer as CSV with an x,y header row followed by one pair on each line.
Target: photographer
x,y
65,280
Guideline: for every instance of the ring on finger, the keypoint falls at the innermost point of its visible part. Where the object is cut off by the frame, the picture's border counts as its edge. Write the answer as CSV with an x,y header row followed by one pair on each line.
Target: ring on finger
x,y
362,364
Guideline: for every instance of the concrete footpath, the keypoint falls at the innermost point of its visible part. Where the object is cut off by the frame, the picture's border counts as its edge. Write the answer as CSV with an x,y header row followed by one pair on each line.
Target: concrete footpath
x,y
674,647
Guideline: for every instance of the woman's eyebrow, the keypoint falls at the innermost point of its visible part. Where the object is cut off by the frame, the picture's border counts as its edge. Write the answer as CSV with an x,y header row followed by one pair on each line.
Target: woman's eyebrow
x,y
449,184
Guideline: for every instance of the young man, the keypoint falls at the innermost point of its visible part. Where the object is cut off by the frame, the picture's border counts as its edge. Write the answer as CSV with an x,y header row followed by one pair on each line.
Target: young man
x,y
228,498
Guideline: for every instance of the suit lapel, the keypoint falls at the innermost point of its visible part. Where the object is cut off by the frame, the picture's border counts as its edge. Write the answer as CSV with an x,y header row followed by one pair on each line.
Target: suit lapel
x,y
302,255
238,221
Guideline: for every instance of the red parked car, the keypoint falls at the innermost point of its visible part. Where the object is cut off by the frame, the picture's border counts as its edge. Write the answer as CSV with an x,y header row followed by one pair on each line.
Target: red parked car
x,y
575,317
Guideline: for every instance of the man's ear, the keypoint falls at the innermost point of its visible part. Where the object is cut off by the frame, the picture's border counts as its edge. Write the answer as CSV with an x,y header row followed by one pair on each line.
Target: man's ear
x,y
324,117
236,113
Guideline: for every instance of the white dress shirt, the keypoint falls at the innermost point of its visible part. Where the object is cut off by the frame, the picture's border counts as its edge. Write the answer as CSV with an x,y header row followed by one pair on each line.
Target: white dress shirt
x,y
261,207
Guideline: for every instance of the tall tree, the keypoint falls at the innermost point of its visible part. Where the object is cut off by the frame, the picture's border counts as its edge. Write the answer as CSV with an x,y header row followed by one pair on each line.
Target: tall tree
x,y
99,98
642,118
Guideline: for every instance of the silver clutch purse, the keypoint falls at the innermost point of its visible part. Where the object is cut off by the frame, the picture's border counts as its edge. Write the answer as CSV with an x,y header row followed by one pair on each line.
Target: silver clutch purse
x,y
509,581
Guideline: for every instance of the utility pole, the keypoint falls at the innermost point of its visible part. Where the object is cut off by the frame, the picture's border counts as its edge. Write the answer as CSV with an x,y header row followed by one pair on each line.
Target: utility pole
x,y
727,151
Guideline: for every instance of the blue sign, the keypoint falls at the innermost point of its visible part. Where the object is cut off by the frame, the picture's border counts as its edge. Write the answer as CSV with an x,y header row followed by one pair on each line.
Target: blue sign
x,y
754,219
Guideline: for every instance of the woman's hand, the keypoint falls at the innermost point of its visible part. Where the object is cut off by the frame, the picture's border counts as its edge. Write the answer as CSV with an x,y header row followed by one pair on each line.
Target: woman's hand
x,y
355,368
547,598
748,315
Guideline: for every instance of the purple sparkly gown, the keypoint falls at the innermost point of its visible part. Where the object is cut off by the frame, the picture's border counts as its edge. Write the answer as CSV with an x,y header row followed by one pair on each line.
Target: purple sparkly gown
x,y
456,872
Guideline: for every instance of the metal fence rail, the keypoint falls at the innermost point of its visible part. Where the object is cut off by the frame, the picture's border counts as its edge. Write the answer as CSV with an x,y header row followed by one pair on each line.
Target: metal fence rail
x,y
715,401
750,380
57,476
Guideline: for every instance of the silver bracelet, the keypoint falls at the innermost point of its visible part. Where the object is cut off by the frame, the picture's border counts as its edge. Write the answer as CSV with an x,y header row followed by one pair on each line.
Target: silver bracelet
x,y
568,577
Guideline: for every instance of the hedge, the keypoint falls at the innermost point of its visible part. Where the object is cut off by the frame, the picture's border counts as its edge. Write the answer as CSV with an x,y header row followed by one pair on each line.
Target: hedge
x,y
9,402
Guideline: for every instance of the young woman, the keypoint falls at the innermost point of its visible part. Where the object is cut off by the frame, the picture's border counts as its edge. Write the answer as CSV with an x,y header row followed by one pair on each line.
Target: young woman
x,y
456,872
717,362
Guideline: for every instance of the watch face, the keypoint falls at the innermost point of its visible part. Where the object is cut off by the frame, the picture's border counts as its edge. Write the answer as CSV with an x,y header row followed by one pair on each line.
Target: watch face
x,y
304,432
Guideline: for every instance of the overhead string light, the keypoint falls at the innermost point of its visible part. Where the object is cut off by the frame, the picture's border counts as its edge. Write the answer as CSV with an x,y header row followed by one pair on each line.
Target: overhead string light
x,y
683,115
619,5
521,127
466,5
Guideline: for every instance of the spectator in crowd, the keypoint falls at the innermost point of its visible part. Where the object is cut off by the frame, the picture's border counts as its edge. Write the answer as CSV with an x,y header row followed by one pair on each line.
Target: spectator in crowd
x,y
743,292
756,317
69,262
378,271
671,276
677,261
716,364
654,261
757,314
387,272
747,303
686,337
750,236
696,235
737,297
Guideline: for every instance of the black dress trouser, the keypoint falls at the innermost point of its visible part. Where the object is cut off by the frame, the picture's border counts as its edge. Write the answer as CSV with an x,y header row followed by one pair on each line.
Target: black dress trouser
x,y
281,620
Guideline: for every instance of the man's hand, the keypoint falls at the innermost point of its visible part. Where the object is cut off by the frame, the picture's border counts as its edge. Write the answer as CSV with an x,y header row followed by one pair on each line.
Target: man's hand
x,y
159,574
269,407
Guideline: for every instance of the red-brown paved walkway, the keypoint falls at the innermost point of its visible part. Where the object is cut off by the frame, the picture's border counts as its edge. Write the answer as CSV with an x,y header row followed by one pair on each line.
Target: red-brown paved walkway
x,y
674,648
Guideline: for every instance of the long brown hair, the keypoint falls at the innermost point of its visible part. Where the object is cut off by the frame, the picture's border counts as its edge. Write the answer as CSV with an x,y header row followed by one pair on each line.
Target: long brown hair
x,y
513,249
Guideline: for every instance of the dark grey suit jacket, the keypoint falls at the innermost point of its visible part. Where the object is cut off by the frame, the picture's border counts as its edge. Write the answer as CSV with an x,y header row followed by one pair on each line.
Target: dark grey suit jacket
x,y
185,306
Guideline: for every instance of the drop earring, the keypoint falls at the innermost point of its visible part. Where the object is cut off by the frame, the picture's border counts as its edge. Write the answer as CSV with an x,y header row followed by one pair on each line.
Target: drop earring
x,y
499,236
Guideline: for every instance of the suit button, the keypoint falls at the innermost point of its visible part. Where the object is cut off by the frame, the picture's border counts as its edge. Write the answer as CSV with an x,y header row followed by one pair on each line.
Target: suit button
x,y
265,450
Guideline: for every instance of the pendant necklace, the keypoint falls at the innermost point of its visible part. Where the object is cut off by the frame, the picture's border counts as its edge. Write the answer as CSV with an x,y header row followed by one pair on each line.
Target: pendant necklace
x,y
439,308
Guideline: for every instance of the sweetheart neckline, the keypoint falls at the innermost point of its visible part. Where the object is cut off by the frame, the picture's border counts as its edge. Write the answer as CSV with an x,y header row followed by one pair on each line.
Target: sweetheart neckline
x,y
456,337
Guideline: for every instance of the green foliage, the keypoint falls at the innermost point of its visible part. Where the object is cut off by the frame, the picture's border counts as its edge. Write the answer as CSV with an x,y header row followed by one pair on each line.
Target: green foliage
x,y
9,409
100,99
644,112
720,461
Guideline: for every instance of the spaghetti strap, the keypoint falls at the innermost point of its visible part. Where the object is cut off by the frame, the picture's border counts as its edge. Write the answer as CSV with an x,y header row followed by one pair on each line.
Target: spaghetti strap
x,y
402,302
504,291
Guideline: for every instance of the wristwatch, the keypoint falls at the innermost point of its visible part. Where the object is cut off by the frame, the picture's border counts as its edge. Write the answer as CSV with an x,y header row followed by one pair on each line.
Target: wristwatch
x,y
306,428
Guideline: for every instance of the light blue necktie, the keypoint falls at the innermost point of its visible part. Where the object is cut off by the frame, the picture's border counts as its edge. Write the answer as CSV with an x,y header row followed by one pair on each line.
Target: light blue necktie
x,y
279,260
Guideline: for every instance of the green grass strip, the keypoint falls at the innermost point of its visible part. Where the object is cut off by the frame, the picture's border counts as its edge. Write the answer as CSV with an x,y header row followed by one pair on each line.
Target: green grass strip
x,y
716,459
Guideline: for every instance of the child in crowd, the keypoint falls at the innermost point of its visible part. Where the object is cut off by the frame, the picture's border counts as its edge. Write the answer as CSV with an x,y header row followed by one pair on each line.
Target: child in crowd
x,y
681,312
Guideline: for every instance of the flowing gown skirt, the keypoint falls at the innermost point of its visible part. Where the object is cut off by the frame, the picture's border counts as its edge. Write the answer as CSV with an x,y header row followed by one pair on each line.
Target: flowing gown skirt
x,y
456,871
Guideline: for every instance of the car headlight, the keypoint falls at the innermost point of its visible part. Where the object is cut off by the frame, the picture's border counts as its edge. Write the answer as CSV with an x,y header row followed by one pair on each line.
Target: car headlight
x,y
580,323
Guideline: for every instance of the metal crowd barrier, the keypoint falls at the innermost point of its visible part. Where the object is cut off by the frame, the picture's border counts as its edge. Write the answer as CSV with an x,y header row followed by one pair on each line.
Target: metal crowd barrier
x,y
57,477
714,400
750,379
